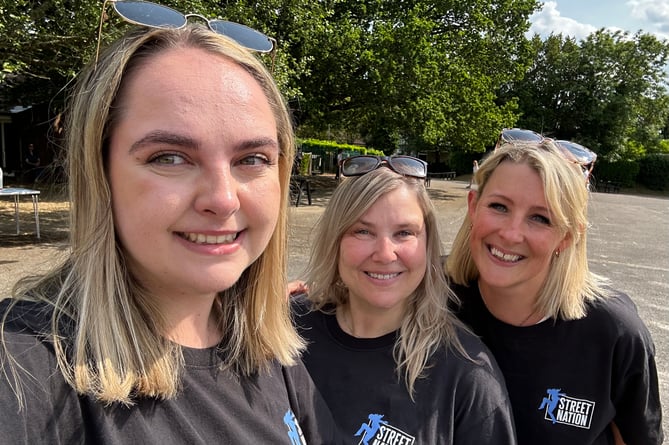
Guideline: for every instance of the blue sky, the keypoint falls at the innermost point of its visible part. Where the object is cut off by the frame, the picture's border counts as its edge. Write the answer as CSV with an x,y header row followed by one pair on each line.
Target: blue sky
x,y
578,18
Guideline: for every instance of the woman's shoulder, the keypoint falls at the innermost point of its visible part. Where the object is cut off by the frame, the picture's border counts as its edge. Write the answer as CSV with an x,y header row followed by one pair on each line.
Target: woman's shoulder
x,y
467,356
25,317
616,314
305,311
306,318
478,354
476,373
616,308
300,304
27,349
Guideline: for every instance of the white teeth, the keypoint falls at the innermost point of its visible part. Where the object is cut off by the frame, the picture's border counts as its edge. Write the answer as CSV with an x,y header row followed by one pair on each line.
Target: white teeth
x,y
201,238
504,256
385,276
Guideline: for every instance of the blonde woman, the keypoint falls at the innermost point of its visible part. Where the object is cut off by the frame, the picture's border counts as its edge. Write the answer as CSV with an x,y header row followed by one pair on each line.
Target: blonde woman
x,y
577,359
389,358
168,322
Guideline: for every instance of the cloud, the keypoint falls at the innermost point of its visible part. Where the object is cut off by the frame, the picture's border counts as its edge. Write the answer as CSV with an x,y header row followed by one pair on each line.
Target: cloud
x,y
654,12
549,21
650,16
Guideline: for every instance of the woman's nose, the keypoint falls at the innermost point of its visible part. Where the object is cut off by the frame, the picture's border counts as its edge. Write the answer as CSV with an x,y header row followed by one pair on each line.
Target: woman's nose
x,y
385,250
513,231
218,193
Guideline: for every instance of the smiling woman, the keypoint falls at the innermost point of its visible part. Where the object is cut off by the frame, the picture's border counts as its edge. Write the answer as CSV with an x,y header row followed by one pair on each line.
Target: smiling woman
x,y
384,349
519,262
172,296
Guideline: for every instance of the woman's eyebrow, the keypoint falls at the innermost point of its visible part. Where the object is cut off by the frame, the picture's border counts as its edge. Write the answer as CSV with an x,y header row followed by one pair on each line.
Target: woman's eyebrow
x,y
169,138
259,142
166,138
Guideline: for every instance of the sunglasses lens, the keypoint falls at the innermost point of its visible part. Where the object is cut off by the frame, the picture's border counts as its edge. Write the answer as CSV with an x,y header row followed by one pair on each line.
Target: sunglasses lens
x,y
409,166
518,134
149,14
577,152
358,165
245,36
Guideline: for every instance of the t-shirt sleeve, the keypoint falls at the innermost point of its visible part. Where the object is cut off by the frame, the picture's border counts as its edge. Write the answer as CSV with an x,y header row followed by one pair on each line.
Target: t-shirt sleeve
x,y
311,411
635,391
36,404
484,414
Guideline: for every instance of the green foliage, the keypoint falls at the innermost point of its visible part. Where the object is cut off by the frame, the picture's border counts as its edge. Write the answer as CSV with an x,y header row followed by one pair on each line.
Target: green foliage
x,y
662,147
607,92
305,162
417,74
623,171
318,146
44,44
433,77
654,171
632,151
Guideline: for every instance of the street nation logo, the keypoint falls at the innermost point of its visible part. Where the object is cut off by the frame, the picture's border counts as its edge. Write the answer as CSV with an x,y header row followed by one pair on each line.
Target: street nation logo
x,y
560,408
379,432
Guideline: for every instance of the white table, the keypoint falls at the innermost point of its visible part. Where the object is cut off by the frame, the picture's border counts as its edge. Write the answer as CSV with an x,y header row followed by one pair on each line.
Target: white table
x,y
16,193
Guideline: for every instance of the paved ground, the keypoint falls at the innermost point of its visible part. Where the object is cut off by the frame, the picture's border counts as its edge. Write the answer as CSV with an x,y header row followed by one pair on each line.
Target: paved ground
x,y
629,244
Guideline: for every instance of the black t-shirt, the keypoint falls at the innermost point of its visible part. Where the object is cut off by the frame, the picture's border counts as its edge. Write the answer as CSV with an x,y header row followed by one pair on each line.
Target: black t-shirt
x,y
568,380
279,406
457,402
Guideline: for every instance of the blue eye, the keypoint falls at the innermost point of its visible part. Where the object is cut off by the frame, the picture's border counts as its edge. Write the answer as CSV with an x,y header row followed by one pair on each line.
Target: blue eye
x,y
497,206
255,159
167,159
541,219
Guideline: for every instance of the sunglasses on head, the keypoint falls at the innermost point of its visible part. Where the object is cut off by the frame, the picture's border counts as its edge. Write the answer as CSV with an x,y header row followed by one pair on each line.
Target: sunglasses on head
x,y
159,16
519,134
404,165
571,151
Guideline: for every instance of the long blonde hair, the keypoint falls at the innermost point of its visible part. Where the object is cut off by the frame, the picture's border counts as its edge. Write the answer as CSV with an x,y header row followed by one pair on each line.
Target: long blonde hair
x,y
94,291
569,284
428,324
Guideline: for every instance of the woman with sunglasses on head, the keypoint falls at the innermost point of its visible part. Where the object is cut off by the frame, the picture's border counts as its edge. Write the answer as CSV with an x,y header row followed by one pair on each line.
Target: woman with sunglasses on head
x,y
577,359
168,321
391,361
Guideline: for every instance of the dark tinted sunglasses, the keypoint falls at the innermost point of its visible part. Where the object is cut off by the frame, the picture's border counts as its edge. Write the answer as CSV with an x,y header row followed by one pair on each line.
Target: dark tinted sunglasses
x,y
404,165
159,16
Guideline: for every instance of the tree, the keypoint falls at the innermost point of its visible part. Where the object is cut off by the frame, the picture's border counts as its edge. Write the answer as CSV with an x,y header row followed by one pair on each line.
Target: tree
x,y
608,92
424,72
44,44
421,71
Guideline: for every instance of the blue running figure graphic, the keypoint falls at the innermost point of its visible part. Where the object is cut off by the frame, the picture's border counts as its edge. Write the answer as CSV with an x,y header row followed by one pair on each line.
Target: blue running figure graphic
x,y
370,429
551,402
293,430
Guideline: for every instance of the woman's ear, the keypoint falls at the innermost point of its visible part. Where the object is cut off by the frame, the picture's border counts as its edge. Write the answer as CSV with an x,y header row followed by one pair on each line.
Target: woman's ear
x,y
566,242
472,200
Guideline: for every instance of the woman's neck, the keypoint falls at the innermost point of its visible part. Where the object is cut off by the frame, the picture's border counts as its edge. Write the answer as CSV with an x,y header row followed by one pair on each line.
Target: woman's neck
x,y
194,324
368,324
511,306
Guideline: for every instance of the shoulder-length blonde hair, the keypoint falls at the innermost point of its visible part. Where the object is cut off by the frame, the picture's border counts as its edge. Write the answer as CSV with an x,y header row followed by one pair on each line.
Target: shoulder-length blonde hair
x,y
94,287
569,284
428,324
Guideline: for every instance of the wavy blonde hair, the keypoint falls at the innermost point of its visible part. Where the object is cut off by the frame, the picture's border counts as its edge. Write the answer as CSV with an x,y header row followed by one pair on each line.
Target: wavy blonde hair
x,y
428,324
569,284
94,291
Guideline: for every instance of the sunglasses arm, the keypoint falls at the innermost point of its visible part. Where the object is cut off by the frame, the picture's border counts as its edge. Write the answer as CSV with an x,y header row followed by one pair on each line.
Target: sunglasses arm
x,y
103,16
